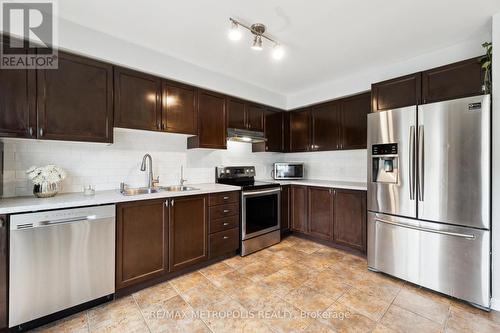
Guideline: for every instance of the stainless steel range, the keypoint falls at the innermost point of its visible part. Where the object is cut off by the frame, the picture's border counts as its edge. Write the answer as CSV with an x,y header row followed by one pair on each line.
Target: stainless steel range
x,y
429,191
260,207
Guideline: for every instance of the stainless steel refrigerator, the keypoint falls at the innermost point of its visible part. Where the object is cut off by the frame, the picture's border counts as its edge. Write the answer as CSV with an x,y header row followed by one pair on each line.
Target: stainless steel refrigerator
x,y
429,196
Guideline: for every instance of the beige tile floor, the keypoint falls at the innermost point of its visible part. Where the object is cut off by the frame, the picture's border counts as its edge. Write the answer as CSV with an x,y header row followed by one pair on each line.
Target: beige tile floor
x,y
297,285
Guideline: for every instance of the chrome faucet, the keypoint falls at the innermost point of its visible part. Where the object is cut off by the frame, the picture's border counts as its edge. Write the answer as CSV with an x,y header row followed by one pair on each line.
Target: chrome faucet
x,y
182,181
149,166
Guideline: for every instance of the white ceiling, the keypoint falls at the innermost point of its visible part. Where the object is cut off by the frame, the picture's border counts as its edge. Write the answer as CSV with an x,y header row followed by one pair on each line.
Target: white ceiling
x,y
324,39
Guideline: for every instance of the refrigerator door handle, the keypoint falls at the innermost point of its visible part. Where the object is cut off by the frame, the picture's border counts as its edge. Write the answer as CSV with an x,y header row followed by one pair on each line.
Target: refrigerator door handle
x,y
447,233
412,162
421,163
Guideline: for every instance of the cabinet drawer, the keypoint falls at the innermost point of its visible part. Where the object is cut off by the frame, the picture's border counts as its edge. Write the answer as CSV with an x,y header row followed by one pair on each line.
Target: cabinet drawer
x,y
217,225
221,211
223,198
224,242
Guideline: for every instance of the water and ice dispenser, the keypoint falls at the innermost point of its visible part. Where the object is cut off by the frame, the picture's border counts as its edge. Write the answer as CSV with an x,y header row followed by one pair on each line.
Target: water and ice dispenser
x,y
385,163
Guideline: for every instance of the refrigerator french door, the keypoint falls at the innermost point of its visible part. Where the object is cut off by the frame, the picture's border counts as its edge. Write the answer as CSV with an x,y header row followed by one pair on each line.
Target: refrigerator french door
x,y
429,196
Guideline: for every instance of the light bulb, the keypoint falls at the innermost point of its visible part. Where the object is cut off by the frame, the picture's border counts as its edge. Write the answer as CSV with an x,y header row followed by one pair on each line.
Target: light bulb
x,y
257,43
234,33
278,52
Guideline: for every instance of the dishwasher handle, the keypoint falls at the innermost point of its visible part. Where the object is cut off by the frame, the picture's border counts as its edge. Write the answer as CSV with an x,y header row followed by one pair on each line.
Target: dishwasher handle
x,y
49,223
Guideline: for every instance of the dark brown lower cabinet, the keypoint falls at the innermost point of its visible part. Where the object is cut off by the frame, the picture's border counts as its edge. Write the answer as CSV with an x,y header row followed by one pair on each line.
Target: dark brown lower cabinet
x,y
142,241
3,272
350,218
285,209
334,215
188,231
320,201
299,208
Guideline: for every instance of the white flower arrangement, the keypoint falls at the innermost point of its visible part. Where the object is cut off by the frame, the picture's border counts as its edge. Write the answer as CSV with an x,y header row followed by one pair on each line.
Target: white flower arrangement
x,y
47,174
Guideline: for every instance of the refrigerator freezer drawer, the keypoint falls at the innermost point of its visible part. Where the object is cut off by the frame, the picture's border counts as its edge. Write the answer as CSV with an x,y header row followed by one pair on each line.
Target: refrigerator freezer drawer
x,y
451,260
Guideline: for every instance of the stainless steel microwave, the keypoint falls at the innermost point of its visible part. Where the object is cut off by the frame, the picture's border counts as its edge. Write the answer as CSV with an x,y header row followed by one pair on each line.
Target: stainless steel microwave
x,y
288,171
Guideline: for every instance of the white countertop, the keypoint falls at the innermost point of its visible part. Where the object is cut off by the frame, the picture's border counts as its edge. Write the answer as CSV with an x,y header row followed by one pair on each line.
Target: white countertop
x,y
360,186
70,200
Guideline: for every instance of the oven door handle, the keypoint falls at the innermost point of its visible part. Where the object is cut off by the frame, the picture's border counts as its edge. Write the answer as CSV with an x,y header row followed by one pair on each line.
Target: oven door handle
x,y
276,190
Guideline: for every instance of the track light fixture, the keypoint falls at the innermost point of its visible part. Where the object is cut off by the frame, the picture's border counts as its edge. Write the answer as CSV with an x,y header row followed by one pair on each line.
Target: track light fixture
x,y
258,30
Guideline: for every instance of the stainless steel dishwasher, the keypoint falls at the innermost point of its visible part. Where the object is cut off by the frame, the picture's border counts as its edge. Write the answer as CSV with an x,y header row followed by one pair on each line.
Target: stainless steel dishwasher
x,y
60,259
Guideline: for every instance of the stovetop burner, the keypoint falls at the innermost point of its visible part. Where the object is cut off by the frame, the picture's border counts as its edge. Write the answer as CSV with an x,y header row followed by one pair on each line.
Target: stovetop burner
x,y
241,176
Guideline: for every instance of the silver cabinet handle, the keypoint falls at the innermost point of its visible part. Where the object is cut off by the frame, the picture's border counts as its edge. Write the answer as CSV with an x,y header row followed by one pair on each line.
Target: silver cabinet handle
x,y
166,203
172,202
225,223
447,233
412,162
421,163
225,237
2,222
226,198
41,132
30,131
226,210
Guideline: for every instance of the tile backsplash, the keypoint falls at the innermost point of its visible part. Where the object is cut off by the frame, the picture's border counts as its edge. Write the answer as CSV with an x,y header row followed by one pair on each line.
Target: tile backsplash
x,y
105,166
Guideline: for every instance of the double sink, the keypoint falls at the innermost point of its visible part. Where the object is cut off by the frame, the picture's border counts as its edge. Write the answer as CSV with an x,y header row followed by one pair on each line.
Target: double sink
x,y
147,190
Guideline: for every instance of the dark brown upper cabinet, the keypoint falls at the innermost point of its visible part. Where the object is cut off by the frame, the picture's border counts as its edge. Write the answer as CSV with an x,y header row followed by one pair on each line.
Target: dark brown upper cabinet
x,y
298,206
18,103
212,121
188,231
244,115
141,241
325,126
137,100
350,218
457,80
320,212
273,129
179,109
255,116
396,93
75,101
354,121
300,130
236,113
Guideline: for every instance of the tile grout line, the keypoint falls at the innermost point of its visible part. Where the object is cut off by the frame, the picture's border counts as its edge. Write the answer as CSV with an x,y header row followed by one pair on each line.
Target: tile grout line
x,y
189,304
142,315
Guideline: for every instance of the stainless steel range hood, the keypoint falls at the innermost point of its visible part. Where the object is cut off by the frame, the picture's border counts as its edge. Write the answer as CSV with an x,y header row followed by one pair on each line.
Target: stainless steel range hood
x,y
240,135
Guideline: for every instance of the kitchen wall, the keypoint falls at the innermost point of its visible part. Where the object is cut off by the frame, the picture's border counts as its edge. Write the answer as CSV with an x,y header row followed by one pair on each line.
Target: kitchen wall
x,y
105,166
496,164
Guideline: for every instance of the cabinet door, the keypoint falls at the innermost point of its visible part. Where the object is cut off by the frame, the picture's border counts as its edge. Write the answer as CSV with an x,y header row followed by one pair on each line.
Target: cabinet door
x,y
75,101
299,208
255,114
273,125
285,208
299,130
212,121
188,231
17,103
236,114
396,93
320,210
350,218
273,129
137,100
354,121
3,271
461,79
325,125
179,110
141,241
